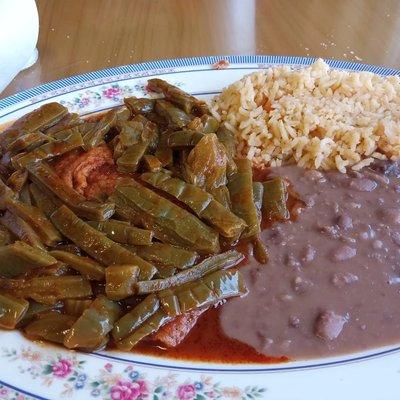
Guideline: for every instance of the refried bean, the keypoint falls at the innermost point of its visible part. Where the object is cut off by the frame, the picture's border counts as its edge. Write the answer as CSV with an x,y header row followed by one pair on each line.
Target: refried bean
x,y
332,282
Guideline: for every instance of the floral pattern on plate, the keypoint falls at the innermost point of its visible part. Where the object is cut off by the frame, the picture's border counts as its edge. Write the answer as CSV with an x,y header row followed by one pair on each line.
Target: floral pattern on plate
x,y
10,394
111,95
114,381
109,80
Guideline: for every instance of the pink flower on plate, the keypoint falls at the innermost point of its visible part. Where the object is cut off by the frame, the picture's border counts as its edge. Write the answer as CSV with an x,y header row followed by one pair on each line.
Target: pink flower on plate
x,y
3,391
112,92
186,392
142,387
84,101
62,368
126,390
108,367
21,397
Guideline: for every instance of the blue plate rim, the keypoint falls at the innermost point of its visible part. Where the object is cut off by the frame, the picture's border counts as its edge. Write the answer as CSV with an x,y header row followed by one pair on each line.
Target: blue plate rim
x,y
187,62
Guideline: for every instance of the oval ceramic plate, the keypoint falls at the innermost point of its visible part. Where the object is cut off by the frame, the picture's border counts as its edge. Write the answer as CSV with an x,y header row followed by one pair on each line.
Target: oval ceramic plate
x,y
31,371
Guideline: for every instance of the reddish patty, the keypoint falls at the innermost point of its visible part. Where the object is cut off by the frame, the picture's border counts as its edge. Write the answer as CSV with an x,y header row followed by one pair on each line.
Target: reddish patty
x,y
90,173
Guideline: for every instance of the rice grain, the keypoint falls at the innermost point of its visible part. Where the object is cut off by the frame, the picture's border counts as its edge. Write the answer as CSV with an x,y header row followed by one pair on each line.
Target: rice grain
x,y
317,117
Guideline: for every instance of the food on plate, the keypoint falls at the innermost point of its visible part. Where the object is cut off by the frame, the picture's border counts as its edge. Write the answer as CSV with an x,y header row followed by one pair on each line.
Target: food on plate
x,y
47,116
170,223
338,259
42,174
62,142
168,255
199,201
213,263
90,330
12,310
123,232
173,333
96,244
103,220
261,228
316,117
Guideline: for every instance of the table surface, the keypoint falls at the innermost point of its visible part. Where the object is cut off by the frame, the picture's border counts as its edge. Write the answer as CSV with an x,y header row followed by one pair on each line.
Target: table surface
x,y
80,36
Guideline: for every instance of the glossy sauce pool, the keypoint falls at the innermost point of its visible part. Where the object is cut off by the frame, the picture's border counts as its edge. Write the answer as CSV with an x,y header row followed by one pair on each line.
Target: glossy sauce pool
x,y
208,343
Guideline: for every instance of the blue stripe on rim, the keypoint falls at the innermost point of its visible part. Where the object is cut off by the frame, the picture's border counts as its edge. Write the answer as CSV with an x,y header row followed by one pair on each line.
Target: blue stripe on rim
x,y
21,391
279,368
185,62
287,369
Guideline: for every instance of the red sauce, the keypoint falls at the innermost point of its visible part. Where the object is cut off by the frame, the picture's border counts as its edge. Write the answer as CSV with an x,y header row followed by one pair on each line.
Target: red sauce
x,y
207,342
260,174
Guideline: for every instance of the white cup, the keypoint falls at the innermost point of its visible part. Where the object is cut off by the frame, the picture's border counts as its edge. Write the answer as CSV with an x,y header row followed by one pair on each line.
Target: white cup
x,y
19,30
